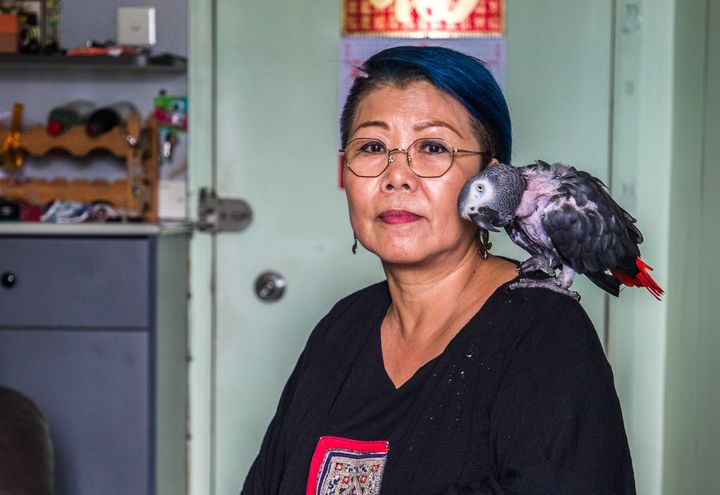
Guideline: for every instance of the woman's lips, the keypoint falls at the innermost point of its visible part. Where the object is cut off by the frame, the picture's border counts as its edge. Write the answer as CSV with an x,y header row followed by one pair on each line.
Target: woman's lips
x,y
394,217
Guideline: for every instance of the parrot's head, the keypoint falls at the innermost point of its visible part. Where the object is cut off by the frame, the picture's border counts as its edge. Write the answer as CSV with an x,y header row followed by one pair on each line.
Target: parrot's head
x,y
490,198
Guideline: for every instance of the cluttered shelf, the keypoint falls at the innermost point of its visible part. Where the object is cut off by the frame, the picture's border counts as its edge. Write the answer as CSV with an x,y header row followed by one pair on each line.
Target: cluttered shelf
x,y
135,142
143,63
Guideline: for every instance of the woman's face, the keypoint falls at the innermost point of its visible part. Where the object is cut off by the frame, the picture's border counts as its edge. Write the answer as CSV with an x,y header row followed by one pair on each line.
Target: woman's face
x,y
403,218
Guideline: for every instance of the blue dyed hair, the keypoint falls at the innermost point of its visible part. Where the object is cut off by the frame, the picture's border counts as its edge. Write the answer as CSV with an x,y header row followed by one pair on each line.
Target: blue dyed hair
x,y
463,77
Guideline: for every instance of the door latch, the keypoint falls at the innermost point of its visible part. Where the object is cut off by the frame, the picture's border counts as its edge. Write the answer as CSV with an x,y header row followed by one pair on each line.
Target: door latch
x,y
222,214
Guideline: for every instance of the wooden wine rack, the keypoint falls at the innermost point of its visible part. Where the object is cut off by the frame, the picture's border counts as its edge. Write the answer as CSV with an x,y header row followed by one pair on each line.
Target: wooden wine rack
x,y
135,194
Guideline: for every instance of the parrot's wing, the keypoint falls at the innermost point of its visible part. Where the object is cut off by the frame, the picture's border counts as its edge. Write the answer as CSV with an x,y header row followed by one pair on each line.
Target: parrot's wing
x,y
519,237
590,232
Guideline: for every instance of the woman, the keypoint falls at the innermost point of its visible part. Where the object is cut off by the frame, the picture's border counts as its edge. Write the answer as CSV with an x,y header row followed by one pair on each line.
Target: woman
x,y
440,380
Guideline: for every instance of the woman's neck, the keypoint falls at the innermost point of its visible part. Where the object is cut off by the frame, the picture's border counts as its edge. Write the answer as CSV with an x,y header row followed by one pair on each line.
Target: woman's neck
x,y
430,300
429,308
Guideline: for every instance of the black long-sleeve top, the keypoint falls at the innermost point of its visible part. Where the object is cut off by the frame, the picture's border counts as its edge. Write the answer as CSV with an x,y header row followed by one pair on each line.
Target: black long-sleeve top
x,y
521,401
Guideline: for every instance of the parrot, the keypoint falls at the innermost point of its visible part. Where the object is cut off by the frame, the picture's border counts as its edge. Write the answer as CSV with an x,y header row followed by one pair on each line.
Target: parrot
x,y
566,219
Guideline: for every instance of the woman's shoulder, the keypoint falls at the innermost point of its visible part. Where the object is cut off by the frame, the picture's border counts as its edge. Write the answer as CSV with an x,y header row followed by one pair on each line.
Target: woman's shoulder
x,y
541,320
538,305
536,339
360,304
352,312
377,293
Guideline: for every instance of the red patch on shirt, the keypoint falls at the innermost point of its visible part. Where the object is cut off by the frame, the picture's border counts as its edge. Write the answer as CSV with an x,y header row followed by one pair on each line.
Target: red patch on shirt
x,y
342,466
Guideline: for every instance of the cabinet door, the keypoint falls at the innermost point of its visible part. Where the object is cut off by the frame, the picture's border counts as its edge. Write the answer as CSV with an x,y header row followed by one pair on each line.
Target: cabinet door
x,y
92,386
75,282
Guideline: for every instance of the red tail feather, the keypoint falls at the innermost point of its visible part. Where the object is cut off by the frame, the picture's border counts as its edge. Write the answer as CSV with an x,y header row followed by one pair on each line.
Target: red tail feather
x,y
641,279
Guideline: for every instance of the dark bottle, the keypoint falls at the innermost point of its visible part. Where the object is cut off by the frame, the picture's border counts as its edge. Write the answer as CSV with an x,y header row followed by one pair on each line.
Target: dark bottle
x,y
67,115
51,42
29,32
105,118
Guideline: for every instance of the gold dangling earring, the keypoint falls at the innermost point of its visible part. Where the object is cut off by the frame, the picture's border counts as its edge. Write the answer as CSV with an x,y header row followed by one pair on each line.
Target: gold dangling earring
x,y
483,243
354,246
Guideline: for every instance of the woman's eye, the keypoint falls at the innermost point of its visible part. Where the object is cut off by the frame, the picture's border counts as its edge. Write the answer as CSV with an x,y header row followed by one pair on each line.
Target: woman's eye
x,y
373,147
433,147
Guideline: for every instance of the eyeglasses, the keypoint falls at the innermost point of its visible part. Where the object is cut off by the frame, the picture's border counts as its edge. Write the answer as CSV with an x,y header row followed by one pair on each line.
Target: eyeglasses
x,y
426,157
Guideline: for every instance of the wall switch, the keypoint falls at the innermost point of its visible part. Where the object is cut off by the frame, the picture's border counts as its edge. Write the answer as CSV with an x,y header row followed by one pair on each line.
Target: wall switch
x,y
136,26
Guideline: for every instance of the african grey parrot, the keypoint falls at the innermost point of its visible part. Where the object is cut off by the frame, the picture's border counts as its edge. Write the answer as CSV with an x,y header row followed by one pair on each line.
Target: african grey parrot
x,y
563,217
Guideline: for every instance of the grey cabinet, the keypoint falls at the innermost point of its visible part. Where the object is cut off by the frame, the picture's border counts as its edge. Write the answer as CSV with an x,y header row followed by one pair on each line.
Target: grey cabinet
x,y
94,330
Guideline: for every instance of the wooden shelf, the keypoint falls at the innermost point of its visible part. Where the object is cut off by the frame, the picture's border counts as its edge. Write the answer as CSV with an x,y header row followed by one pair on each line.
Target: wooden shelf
x,y
136,194
37,142
123,63
41,191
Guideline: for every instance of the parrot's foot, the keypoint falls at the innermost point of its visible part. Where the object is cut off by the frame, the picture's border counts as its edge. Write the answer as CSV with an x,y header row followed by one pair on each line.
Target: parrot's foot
x,y
545,283
535,264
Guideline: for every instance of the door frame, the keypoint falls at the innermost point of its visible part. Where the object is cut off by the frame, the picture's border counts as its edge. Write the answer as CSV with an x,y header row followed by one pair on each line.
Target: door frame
x,y
201,306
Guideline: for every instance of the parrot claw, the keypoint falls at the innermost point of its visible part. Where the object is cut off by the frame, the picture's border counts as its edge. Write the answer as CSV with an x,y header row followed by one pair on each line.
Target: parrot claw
x,y
535,264
547,283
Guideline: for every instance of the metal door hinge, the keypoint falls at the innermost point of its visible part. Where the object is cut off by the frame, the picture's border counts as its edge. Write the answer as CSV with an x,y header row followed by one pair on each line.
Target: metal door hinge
x,y
222,214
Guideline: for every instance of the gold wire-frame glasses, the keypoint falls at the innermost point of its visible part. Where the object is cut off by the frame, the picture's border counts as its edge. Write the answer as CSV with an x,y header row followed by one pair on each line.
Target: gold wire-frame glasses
x,y
426,157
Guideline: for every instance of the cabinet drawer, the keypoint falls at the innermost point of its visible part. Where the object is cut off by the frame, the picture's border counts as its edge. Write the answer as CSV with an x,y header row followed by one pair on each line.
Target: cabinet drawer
x,y
74,282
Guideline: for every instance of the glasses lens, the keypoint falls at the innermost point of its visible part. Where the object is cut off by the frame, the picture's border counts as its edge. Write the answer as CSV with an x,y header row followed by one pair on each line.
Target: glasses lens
x,y
366,157
430,157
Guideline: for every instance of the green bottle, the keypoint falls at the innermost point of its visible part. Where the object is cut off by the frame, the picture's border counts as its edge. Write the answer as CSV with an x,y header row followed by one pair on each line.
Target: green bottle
x,y
65,116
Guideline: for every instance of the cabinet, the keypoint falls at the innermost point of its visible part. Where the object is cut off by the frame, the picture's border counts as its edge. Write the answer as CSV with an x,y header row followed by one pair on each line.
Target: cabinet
x,y
93,328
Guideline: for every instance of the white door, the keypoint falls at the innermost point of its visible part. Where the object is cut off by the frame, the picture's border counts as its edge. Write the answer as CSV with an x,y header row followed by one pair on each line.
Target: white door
x,y
274,129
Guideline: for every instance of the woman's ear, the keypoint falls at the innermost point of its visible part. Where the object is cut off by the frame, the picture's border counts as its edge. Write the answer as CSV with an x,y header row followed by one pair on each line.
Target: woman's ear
x,y
493,161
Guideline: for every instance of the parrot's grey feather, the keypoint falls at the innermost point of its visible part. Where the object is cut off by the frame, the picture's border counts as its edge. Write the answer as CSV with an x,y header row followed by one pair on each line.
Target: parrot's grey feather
x,y
588,229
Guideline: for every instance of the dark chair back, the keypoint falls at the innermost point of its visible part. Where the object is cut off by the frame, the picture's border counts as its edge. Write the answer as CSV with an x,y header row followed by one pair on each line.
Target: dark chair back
x,y
26,458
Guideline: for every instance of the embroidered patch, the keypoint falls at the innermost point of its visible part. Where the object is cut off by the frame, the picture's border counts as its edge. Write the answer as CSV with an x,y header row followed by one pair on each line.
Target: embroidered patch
x,y
342,466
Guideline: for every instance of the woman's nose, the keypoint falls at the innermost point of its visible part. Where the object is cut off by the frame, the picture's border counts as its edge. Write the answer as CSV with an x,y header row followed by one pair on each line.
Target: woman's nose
x,y
398,174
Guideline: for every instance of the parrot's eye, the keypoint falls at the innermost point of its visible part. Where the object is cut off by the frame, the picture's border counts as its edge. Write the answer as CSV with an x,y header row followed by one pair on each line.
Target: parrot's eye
x,y
480,187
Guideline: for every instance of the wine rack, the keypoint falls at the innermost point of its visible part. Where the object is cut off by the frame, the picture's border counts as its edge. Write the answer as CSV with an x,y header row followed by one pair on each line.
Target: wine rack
x,y
136,142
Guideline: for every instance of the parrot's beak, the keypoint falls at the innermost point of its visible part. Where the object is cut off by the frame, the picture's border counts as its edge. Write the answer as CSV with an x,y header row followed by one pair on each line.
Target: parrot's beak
x,y
483,222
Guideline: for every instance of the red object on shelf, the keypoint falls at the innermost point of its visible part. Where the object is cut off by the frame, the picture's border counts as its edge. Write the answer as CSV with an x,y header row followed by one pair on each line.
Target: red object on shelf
x,y
30,213
9,33
113,51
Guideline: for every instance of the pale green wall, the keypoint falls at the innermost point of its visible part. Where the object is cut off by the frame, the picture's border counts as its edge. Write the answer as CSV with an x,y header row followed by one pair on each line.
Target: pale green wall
x,y
641,167
707,416
692,382
680,473
665,165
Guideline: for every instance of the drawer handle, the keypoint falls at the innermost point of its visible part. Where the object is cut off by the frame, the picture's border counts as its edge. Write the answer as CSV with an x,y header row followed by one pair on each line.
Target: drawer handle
x,y
8,280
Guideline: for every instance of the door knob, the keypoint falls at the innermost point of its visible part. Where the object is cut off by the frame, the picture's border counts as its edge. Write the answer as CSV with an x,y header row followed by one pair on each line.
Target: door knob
x,y
8,280
270,286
